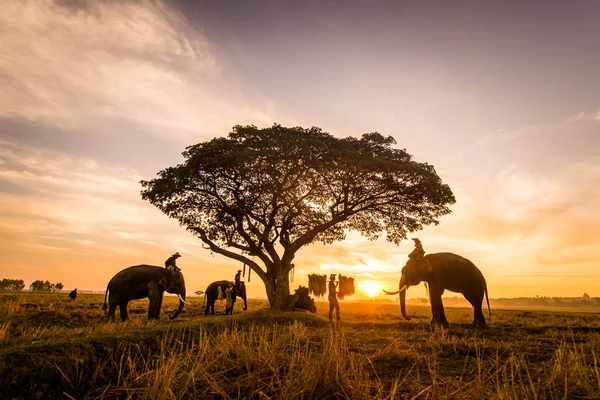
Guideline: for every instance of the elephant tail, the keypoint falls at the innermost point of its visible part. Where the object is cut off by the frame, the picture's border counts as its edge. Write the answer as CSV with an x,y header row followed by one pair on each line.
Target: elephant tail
x,y
488,300
105,294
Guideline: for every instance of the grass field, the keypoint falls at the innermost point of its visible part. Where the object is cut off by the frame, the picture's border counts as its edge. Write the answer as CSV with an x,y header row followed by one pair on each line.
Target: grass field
x,y
52,348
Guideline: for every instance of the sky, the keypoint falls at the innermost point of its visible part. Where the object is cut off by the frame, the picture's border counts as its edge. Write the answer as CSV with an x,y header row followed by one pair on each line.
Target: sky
x,y
503,98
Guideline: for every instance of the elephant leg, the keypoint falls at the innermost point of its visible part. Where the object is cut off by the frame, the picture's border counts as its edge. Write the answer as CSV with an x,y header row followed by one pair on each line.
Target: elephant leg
x,y
112,308
437,307
154,307
123,310
155,295
210,307
476,301
158,306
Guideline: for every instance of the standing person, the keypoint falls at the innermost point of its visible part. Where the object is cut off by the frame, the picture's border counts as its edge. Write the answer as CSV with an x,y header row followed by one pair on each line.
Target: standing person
x,y
238,278
73,294
229,299
333,301
171,262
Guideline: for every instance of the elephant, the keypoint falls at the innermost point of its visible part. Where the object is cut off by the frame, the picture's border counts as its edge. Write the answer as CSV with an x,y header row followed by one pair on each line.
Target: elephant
x,y
212,292
142,281
445,271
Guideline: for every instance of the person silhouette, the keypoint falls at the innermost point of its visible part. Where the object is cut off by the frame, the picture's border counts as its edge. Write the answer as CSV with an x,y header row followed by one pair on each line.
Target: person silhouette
x,y
237,279
333,300
171,263
418,253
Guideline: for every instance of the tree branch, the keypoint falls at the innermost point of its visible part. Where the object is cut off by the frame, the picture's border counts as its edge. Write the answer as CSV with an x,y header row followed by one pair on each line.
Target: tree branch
x,y
215,248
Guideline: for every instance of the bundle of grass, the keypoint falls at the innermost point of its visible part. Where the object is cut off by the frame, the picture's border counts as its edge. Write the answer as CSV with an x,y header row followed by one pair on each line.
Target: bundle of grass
x,y
317,284
346,286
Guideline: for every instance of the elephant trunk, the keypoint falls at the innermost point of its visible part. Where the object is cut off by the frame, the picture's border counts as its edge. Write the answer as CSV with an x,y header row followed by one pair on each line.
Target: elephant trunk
x,y
403,289
181,303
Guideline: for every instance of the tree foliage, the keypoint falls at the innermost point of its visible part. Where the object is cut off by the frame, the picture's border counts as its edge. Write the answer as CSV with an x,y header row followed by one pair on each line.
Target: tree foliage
x,y
45,286
266,193
13,285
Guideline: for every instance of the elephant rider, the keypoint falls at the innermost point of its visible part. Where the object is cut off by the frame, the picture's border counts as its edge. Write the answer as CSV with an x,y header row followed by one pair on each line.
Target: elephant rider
x,y
238,277
333,301
419,254
170,264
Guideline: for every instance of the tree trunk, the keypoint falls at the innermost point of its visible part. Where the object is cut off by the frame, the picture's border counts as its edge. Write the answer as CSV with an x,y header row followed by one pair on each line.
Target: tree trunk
x,y
278,289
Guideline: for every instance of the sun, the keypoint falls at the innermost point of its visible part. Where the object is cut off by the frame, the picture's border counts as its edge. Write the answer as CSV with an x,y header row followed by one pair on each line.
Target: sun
x,y
371,288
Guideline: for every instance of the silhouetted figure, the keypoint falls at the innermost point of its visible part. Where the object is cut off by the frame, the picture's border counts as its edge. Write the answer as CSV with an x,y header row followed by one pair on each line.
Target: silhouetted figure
x,y
238,278
73,294
333,301
229,299
418,253
171,262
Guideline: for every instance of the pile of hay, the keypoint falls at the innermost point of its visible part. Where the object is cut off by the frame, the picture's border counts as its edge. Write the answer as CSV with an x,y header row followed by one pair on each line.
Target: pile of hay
x,y
317,284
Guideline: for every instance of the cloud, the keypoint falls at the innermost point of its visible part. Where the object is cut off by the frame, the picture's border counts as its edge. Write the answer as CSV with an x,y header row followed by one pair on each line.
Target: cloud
x,y
83,221
524,222
81,66
96,96
585,115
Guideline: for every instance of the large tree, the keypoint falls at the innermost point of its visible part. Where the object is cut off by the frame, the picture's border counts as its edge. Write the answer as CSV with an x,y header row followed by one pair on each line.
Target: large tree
x,y
260,195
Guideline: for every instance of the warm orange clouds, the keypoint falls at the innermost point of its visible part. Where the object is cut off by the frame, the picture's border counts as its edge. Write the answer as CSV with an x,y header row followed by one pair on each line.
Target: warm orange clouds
x,y
72,220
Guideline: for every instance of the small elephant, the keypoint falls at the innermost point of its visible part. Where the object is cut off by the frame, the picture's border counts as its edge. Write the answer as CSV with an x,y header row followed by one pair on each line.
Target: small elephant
x,y
142,281
212,292
445,271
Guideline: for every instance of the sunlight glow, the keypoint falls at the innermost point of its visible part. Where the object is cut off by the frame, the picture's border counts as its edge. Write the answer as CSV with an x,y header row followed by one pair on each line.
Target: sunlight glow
x,y
371,288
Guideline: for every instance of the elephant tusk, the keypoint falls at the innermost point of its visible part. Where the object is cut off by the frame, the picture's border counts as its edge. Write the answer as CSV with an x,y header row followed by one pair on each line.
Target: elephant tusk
x,y
181,298
403,289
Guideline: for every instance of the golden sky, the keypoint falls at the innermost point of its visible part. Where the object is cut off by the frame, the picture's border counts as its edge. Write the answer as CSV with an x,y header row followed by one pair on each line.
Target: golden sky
x,y
503,99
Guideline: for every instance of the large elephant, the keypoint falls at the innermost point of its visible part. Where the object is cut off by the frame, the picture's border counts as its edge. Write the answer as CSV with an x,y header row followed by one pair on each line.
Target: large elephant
x,y
212,292
445,271
142,281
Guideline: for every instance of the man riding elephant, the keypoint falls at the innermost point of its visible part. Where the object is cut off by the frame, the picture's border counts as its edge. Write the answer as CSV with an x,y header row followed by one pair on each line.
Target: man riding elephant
x,y
418,254
171,263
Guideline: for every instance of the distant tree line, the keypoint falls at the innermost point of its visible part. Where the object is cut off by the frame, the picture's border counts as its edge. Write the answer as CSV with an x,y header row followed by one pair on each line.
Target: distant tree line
x,y
45,286
16,285
12,285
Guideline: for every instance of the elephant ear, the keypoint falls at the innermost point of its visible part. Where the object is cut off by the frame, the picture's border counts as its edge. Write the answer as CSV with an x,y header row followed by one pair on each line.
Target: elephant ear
x,y
163,281
424,267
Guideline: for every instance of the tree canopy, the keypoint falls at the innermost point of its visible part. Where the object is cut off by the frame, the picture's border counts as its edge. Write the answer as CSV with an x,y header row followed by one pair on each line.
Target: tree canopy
x,y
266,193
13,285
45,286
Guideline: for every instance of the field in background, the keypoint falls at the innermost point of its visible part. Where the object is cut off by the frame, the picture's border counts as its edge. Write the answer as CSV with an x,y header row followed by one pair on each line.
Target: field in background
x,y
50,347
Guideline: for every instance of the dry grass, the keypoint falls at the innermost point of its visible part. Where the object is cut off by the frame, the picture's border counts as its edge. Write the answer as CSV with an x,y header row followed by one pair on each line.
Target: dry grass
x,y
52,348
